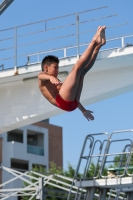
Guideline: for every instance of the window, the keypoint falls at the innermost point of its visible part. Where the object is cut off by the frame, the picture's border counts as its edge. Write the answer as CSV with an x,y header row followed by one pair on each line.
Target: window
x,y
15,135
20,165
35,142
20,198
35,138
46,121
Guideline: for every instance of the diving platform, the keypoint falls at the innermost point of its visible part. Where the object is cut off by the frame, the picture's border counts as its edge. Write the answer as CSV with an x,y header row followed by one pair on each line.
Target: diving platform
x,y
113,188
22,103
113,183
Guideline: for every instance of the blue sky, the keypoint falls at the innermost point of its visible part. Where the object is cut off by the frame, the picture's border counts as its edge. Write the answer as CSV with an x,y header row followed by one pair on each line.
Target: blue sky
x,y
111,114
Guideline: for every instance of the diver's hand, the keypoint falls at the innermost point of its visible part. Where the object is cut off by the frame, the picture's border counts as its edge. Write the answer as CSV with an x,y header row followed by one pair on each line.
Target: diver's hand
x,y
88,115
55,80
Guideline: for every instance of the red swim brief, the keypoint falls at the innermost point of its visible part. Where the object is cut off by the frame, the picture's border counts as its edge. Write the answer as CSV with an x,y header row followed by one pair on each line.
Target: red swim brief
x,y
66,105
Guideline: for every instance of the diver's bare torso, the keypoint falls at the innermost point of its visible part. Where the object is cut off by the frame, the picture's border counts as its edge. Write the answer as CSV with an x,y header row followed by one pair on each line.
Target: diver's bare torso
x,y
49,90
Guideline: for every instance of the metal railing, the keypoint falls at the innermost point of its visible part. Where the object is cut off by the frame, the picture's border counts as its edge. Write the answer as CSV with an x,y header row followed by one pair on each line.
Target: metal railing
x,y
35,183
28,43
104,154
99,151
65,49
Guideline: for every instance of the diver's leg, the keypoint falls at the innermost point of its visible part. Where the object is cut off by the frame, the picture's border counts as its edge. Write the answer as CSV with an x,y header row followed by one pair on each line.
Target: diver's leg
x,y
70,86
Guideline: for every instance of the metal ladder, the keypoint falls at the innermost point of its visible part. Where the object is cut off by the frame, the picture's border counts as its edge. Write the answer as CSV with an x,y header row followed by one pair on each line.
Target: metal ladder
x,y
100,152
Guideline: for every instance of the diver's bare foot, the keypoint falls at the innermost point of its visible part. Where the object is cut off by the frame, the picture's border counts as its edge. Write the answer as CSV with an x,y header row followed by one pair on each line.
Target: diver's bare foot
x,y
99,37
103,36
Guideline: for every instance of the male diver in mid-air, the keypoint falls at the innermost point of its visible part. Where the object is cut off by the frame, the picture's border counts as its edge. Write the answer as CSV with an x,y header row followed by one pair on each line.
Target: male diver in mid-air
x,y
66,95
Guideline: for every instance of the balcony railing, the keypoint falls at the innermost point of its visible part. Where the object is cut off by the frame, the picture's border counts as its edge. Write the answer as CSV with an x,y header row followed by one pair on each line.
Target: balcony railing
x,y
35,150
27,44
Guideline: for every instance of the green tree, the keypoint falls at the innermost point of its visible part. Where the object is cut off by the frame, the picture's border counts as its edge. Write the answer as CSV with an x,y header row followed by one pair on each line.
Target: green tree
x,y
121,162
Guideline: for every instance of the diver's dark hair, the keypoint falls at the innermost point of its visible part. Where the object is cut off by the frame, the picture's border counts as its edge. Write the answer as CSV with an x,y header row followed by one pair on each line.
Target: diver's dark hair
x,y
48,60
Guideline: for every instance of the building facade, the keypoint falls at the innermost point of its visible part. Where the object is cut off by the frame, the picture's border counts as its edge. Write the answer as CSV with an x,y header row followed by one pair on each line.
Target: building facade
x,y
23,148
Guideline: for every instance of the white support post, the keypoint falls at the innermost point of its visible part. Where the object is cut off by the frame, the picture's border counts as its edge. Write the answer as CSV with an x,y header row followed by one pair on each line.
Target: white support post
x,y
64,52
40,192
38,57
103,193
130,196
90,193
122,41
15,49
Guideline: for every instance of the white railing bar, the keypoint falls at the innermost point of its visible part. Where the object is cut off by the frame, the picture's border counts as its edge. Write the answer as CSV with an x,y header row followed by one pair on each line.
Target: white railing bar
x,y
49,29
110,39
47,51
59,49
15,193
49,178
119,37
102,155
15,173
18,189
109,49
5,183
38,62
89,31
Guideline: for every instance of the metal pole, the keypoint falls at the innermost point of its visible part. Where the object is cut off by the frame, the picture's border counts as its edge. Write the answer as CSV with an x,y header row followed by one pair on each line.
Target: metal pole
x,y
130,196
40,192
77,34
45,25
15,49
90,193
64,52
105,157
103,192
122,40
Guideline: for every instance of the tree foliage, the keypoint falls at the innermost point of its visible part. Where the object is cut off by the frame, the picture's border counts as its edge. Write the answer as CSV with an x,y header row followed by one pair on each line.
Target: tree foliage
x,y
54,193
122,162
54,169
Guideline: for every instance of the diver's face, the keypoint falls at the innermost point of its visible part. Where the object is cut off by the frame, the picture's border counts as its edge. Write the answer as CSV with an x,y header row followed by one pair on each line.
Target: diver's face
x,y
52,70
